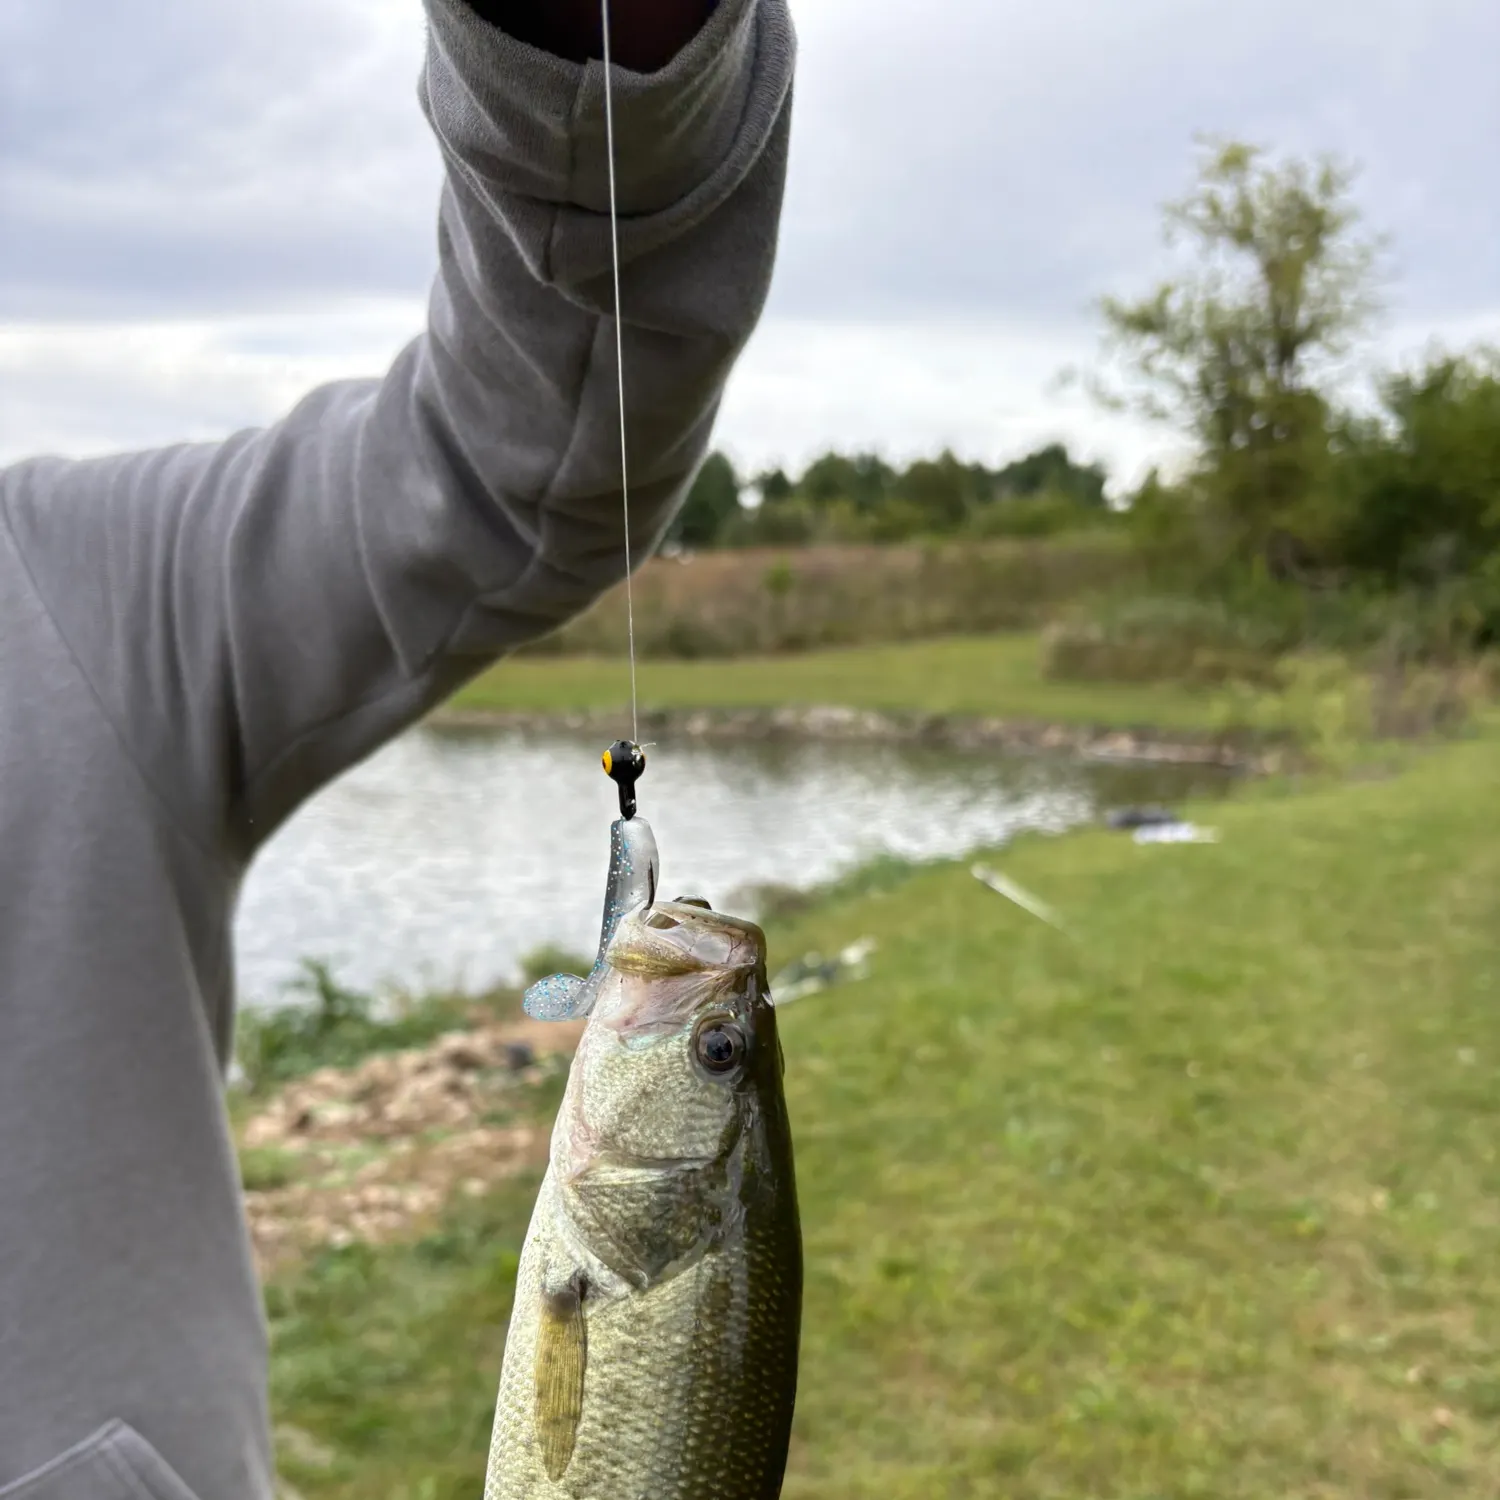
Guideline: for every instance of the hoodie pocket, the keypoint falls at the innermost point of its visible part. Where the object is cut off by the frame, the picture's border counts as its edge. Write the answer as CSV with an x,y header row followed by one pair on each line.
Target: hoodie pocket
x,y
115,1463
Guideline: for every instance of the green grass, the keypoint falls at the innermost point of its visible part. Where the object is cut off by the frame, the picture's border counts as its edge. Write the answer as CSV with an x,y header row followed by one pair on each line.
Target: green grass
x,y
336,1027
387,1361
1199,1202
999,676
264,1168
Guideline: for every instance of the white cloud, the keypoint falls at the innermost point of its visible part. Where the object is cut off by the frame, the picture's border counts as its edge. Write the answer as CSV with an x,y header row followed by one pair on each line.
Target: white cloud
x,y
999,156
81,389
982,388
803,386
213,158
214,207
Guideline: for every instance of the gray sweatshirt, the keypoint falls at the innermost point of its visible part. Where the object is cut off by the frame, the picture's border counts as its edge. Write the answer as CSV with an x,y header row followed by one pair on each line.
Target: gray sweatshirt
x,y
194,640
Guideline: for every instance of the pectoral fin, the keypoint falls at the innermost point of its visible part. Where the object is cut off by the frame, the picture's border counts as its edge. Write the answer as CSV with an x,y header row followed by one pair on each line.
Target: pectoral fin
x,y
561,1355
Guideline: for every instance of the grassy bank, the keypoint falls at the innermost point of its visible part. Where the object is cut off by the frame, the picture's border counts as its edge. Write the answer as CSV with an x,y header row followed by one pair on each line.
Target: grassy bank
x,y
1199,1203
999,676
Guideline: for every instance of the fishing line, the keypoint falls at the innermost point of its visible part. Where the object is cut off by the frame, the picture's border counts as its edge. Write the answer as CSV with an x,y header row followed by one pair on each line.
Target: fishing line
x,y
614,242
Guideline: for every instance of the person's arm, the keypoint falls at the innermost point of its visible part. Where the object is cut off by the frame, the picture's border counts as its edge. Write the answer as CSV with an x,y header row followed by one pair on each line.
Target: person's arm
x,y
257,614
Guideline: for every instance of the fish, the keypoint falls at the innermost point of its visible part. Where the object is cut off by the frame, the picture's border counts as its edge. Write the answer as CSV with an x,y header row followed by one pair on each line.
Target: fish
x,y
653,1345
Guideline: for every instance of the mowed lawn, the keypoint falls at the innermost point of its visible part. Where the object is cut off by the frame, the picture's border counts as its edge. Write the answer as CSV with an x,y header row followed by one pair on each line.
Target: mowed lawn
x,y
999,676
1201,1200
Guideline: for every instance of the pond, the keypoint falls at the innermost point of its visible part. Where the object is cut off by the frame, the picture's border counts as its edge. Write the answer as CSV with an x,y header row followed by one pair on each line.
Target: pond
x,y
446,858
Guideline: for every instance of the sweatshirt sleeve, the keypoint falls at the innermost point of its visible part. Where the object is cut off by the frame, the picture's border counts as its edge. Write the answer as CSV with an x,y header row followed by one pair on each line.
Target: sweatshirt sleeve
x,y
255,615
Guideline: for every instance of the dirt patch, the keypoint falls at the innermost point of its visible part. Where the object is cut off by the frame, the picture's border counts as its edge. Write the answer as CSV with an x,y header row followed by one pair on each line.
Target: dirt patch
x,y
375,1151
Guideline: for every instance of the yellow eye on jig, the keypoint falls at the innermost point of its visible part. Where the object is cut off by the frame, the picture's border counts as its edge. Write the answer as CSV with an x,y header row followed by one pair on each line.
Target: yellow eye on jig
x,y
624,764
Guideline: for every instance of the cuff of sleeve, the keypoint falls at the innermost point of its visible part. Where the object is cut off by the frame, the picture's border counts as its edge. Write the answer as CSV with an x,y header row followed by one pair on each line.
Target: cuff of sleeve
x,y
529,124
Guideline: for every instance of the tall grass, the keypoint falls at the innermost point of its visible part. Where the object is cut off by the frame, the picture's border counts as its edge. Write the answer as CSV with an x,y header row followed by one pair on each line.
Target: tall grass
x,y
1413,654
753,602
332,1026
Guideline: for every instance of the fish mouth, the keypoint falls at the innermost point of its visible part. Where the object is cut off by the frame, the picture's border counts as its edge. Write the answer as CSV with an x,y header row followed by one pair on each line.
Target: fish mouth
x,y
673,938
643,936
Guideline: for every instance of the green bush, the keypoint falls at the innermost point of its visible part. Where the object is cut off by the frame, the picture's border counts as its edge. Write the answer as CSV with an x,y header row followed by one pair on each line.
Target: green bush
x,y
1391,538
711,503
792,522
1422,498
334,1027
1156,639
1044,515
1242,632
1334,708
266,1168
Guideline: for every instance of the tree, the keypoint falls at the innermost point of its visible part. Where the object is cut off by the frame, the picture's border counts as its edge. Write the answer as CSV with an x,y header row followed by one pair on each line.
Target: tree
x,y
774,485
939,490
863,480
1423,479
1239,348
1050,470
712,500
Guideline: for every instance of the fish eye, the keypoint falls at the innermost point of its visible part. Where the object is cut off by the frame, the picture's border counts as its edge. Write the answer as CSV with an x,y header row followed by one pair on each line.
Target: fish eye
x,y
720,1047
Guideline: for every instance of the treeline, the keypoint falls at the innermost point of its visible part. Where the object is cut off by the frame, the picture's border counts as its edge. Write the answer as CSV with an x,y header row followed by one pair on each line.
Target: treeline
x,y
1303,520
861,498
1303,516
1351,527
741,602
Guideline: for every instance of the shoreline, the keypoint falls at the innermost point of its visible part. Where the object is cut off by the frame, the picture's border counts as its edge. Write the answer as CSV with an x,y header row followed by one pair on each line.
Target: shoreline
x,y
854,725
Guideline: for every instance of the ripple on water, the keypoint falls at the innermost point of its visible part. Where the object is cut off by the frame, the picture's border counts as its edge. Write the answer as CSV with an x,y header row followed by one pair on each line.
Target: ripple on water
x,y
447,856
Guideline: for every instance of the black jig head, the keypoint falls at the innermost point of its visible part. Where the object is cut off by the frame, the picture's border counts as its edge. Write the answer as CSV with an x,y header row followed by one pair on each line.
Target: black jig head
x,y
624,764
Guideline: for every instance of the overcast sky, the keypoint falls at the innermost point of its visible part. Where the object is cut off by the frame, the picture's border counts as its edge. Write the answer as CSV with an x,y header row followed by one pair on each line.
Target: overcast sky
x,y
207,208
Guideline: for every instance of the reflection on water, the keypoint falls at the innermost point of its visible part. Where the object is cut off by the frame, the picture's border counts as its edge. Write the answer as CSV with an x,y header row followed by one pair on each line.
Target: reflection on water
x,y
449,855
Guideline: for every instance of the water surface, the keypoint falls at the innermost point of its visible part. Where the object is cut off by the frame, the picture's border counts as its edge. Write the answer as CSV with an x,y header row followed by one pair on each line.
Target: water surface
x,y
449,855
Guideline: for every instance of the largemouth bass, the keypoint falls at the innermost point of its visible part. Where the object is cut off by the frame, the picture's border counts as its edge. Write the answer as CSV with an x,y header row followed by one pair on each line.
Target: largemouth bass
x,y
652,1352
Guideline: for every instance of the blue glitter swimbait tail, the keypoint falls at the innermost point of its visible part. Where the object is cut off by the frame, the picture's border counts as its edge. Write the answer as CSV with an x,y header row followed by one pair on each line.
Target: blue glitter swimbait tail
x,y
633,867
